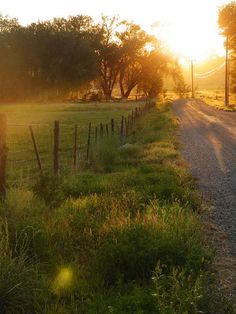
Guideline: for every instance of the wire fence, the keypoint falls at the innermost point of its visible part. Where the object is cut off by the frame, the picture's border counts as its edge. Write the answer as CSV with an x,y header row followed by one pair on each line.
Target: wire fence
x,y
26,151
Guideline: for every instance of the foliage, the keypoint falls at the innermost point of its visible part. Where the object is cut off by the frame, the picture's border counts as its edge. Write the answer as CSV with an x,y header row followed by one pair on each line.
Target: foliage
x,y
55,59
50,189
227,23
131,251
125,239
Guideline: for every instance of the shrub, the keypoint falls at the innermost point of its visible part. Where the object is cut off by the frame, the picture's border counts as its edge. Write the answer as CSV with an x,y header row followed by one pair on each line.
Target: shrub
x,y
127,254
131,251
50,188
105,155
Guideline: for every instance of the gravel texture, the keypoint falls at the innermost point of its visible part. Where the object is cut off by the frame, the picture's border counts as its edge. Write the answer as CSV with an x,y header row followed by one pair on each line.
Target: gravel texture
x,y
208,138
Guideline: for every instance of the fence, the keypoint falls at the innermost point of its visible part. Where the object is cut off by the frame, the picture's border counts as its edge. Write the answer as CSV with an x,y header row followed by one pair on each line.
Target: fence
x,y
67,151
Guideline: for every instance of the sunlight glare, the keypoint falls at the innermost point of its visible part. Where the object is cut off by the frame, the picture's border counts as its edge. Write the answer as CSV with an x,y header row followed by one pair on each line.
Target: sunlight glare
x,y
63,280
187,27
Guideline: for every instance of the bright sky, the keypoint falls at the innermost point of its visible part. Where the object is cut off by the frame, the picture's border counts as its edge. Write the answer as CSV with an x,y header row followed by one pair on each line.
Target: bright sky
x,y
188,27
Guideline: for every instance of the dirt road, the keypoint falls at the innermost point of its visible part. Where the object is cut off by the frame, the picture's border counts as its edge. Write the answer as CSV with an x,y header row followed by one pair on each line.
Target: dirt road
x,y
208,138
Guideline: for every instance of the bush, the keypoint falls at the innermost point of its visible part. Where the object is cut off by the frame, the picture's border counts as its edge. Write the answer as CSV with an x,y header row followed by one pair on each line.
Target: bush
x,y
127,254
50,188
105,155
131,251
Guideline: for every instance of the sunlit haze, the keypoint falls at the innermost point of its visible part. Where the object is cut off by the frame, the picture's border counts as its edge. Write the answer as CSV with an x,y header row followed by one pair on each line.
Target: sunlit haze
x,y
187,27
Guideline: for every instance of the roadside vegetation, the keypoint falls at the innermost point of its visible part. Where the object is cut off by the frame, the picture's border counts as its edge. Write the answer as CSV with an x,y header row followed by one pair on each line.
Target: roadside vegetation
x,y
121,237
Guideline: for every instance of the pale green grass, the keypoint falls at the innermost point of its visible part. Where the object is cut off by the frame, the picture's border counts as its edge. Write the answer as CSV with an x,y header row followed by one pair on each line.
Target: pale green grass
x,y
21,158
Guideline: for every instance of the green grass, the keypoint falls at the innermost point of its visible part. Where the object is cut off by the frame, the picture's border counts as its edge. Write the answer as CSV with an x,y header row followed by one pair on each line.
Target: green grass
x,y
21,157
120,237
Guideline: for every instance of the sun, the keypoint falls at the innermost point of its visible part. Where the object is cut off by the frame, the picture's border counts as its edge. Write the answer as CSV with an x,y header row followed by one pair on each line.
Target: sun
x,y
193,42
193,37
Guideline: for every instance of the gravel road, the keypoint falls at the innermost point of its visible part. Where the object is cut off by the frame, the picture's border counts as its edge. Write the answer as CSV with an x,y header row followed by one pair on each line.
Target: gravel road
x,y
208,138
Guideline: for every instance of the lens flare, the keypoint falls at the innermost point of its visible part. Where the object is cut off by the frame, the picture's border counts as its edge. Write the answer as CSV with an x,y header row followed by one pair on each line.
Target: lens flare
x,y
63,281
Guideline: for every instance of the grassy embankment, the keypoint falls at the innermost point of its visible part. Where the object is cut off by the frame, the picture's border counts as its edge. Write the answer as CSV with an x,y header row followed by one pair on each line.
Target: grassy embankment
x,y
122,237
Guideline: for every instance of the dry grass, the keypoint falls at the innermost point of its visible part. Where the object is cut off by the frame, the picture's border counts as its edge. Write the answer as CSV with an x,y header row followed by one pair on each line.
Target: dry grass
x,y
215,98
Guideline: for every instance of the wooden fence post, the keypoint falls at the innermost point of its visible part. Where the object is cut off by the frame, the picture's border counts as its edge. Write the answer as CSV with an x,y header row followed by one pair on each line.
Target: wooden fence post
x,y
3,155
126,127
122,129
75,150
107,129
88,144
96,135
112,126
101,130
35,148
56,148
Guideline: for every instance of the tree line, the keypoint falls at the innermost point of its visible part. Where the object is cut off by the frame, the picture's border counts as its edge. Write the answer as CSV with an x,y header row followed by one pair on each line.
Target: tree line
x,y
227,23
60,58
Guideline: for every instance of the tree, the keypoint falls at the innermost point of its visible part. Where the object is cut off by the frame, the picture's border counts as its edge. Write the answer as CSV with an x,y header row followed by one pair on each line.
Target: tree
x,y
109,55
133,42
180,87
8,24
227,23
154,68
51,57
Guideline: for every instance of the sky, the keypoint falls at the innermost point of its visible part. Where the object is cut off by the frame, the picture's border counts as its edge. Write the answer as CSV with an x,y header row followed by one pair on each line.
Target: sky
x,y
187,27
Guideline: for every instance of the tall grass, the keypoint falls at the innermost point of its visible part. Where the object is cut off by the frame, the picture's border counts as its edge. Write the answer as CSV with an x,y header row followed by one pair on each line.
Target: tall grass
x,y
121,237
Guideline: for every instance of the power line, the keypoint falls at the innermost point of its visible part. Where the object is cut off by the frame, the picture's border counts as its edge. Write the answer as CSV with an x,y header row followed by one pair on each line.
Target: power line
x,y
209,73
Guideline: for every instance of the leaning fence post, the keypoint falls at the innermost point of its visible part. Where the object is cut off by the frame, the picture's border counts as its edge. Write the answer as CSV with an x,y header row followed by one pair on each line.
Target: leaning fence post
x,y
126,128
136,113
3,155
132,118
56,148
107,129
101,130
75,146
35,148
88,144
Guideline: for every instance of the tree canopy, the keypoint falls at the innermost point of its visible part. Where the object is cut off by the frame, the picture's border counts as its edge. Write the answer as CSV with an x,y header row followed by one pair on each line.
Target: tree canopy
x,y
227,23
53,59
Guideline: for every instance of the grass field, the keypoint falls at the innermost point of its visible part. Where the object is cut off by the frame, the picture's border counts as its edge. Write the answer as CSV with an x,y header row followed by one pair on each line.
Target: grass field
x,y
215,98
121,237
21,157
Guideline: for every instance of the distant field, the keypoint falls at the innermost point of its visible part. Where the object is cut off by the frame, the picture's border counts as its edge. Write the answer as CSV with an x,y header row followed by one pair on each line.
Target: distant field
x,y
21,158
216,98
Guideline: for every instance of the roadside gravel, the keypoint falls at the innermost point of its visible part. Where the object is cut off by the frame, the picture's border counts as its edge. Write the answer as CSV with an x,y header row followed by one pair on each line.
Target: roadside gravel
x,y
208,144
208,139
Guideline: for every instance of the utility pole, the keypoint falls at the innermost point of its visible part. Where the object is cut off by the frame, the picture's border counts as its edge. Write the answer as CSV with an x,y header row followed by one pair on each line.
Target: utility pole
x,y
227,71
192,78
